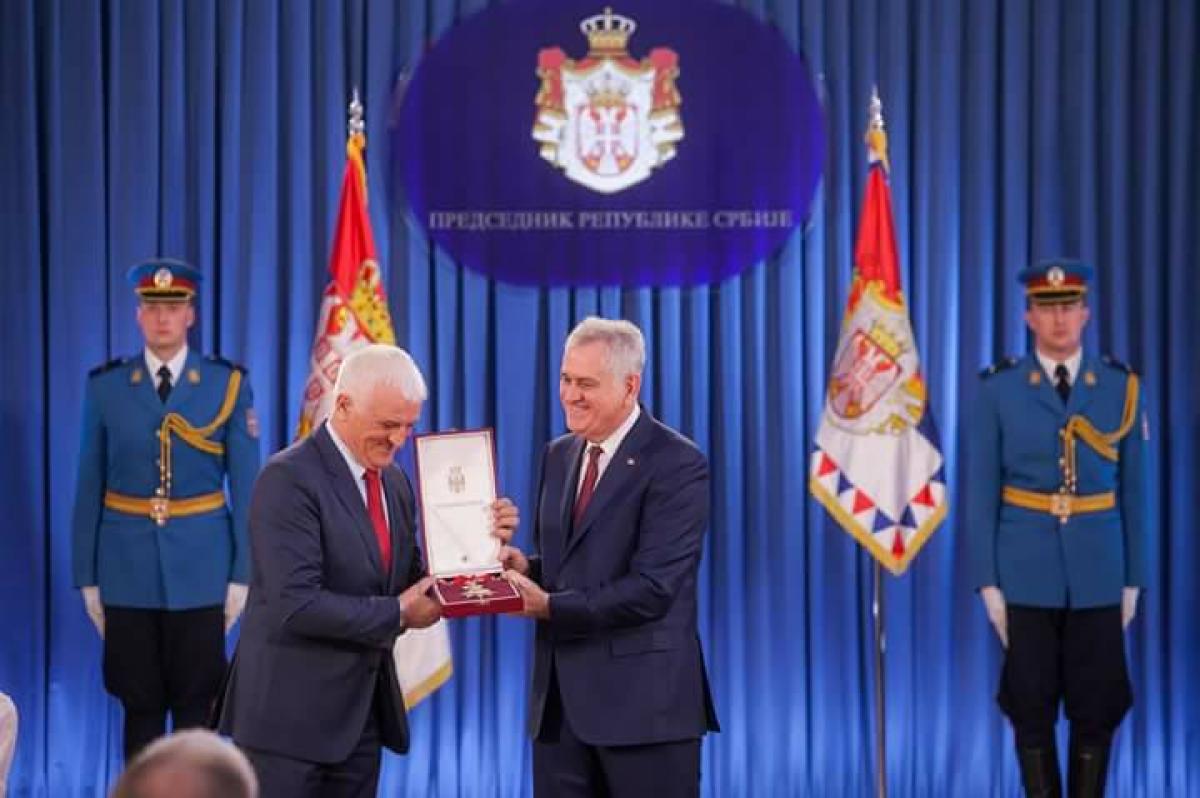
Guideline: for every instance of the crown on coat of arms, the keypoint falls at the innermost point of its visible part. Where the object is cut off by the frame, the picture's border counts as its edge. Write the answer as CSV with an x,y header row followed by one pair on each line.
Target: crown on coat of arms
x,y
886,341
608,32
604,91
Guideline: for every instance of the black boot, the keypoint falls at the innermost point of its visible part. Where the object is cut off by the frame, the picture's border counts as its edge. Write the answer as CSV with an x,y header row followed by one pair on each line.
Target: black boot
x,y
1087,768
1039,772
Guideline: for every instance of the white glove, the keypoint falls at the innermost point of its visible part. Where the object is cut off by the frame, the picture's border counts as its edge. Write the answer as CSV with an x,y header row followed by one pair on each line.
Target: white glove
x,y
235,602
95,610
997,611
1129,599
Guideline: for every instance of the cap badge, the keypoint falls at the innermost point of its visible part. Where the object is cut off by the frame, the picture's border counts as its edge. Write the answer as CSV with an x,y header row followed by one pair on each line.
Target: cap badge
x,y
163,278
1056,276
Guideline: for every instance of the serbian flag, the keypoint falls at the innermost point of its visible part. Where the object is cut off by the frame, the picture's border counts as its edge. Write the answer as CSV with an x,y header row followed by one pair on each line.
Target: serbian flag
x,y
878,465
354,313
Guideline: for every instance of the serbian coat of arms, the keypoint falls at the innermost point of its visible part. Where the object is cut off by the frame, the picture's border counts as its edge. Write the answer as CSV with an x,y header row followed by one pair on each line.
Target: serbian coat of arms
x,y
456,480
608,120
876,386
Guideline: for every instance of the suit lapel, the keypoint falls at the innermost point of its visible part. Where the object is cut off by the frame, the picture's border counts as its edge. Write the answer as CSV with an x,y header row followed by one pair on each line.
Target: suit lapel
x,y
142,386
398,515
183,388
621,470
348,494
566,507
1084,389
1042,385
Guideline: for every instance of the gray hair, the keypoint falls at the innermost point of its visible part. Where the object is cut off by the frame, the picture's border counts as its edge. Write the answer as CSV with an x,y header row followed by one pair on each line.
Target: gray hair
x,y
378,365
189,764
626,346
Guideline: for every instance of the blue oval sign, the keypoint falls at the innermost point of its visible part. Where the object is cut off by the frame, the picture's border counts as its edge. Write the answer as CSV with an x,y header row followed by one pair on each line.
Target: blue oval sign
x,y
659,142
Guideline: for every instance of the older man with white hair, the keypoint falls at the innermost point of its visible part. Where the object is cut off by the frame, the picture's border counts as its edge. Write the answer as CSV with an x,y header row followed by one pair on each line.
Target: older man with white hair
x,y
620,698
336,575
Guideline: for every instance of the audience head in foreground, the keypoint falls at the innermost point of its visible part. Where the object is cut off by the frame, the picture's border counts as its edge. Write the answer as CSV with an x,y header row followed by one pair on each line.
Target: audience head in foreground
x,y
190,764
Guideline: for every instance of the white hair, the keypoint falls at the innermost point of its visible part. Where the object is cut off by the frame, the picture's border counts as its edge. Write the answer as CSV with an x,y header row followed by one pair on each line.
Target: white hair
x,y
624,341
377,365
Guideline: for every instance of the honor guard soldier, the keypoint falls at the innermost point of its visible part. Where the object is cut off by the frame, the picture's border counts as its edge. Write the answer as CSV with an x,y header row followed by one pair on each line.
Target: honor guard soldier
x,y
158,551
1056,531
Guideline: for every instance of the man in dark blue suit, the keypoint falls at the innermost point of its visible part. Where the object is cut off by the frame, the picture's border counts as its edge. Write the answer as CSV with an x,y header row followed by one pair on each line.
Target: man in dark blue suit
x,y
620,696
159,554
1055,523
336,575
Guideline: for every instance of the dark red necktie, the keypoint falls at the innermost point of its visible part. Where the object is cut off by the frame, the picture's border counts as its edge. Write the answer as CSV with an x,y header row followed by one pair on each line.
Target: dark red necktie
x,y
589,483
378,519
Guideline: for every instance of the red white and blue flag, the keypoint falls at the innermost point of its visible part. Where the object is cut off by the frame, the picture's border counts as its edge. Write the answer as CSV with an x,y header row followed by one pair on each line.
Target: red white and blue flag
x,y
354,313
877,467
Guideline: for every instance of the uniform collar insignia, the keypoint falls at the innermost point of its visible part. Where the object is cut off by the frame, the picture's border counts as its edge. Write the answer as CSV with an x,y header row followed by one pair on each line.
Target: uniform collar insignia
x,y
135,376
1035,377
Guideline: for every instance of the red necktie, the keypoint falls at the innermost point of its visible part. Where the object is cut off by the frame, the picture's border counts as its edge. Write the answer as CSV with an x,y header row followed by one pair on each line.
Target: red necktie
x,y
378,519
589,483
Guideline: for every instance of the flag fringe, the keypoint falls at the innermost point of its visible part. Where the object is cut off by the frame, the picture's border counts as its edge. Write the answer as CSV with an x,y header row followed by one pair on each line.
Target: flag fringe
x,y
863,535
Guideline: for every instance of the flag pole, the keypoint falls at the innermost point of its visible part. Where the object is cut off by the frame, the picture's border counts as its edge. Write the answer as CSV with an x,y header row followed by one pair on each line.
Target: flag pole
x,y
876,141
880,704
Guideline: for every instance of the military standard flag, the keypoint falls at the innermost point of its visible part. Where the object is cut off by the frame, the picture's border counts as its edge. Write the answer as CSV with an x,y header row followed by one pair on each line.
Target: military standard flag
x,y
354,313
877,466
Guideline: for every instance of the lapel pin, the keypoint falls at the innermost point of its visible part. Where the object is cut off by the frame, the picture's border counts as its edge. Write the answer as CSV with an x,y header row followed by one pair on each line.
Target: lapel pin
x,y
1089,378
630,461
193,377
1035,378
136,376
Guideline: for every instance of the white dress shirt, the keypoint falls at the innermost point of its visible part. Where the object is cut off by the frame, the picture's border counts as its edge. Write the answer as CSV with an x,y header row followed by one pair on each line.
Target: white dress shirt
x,y
1072,363
357,472
174,365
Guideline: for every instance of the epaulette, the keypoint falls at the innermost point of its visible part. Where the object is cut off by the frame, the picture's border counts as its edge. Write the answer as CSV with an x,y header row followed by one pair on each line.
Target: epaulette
x,y
109,366
229,364
1000,365
1112,362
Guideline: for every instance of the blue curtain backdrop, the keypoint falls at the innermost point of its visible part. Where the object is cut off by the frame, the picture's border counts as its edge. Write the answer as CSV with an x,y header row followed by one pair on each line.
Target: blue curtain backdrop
x,y
214,130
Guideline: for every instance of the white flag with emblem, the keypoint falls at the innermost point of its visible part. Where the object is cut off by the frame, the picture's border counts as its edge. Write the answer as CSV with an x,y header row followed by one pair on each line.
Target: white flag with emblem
x,y
877,466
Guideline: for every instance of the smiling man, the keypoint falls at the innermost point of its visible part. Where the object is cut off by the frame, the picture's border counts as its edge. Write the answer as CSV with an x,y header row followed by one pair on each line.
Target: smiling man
x,y
337,575
620,697
159,554
1055,523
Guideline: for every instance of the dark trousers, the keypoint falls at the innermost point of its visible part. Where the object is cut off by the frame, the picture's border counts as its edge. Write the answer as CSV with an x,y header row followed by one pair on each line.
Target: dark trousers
x,y
1062,656
566,767
357,776
163,661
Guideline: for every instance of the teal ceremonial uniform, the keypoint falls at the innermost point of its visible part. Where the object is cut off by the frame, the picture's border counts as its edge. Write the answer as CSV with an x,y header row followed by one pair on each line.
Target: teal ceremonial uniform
x,y
1017,430
190,559
168,458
